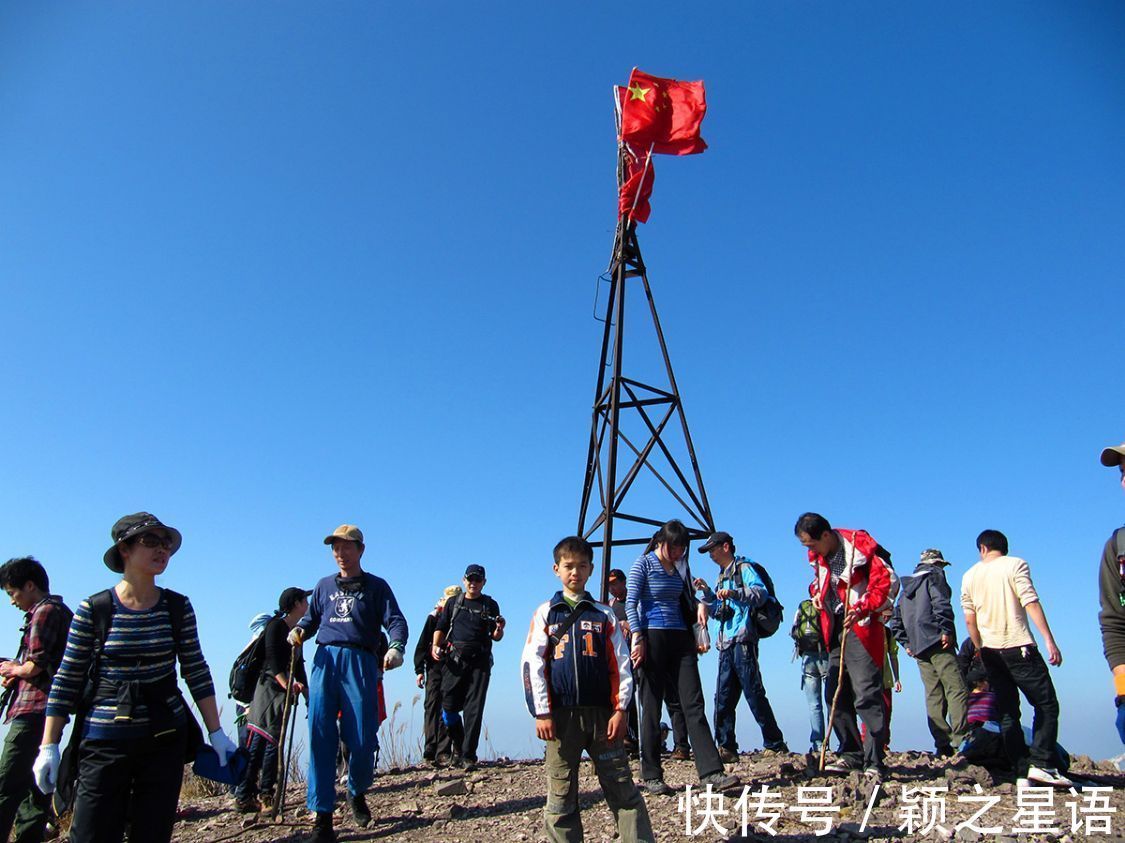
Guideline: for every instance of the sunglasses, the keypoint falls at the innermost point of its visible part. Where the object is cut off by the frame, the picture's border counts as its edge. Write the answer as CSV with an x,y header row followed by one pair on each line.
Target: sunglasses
x,y
474,578
153,540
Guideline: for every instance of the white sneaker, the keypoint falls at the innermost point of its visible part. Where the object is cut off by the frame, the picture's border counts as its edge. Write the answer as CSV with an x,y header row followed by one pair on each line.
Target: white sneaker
x,y
1049,776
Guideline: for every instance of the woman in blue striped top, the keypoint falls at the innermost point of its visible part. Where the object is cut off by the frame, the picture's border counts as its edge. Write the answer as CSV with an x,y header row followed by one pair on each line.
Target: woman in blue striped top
x,y
136,728
661,607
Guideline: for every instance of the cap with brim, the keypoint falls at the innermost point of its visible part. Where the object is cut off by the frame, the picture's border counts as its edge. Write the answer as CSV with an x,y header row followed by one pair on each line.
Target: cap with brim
x,y
715,540
347,532
615,574
131,526
291,597
1114,456
933,556
474,570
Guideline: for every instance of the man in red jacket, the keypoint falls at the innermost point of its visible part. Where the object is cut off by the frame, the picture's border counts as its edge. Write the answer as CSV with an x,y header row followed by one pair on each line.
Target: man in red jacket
x,y
852,588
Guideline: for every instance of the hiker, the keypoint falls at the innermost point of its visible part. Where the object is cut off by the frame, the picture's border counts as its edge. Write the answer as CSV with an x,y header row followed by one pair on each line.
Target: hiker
x,y
738,592
808,644
662,610
578,682
462,641
27,682
428,675
891,686
257,626
851,588
923,624
1111,588
346,613
264,721
998,596
133,731
617,592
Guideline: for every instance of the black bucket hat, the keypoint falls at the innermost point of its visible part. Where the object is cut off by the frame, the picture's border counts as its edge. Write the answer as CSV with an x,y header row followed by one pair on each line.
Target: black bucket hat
x,y
129,526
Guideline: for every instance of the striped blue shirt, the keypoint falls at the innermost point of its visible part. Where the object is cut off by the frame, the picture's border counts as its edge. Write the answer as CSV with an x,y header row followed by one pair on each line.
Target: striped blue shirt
x,y
132,633
652,600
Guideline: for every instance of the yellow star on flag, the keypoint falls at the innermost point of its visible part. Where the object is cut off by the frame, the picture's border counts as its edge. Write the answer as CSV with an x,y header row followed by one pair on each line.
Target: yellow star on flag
x,y
638,93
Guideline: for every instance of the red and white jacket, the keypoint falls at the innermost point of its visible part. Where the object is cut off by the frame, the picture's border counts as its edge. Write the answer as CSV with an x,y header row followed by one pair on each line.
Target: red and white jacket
x,y
868,585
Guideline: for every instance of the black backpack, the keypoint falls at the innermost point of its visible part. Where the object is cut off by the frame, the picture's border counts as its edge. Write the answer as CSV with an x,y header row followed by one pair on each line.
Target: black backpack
x,y
247,668
768,616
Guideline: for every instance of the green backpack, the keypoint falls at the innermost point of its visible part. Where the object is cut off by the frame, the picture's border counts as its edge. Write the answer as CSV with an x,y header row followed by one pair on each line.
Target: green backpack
x,y
806,629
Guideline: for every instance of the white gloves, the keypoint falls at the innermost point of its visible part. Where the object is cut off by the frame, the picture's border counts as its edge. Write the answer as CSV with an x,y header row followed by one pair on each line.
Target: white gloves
x,y
46,767
392,659
221,744
296,636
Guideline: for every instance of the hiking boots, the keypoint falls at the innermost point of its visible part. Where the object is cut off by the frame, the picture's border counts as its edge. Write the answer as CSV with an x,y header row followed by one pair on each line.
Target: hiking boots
x,y
247,805
840,765
322,829
719,781
360,812
728,756
470,765
656,787
680,754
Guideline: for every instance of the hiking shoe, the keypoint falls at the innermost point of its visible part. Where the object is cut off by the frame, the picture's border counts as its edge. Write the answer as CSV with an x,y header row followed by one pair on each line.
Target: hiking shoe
x,y
470,765
720,781
457,762
656,787
680,754
266,797
360,812
247,805
944,751
781,746
1049,776
322,830
874,773
840,765
728,756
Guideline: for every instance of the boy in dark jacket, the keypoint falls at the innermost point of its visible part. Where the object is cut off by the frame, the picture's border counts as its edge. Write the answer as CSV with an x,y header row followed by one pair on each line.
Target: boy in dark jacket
x,y
578,682
923,624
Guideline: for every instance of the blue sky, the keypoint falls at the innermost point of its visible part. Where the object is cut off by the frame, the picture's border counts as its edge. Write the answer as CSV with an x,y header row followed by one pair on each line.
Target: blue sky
x,y
267,269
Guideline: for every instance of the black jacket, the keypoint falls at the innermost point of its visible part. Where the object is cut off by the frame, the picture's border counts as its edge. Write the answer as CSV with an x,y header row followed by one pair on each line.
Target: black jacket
x,y
924,611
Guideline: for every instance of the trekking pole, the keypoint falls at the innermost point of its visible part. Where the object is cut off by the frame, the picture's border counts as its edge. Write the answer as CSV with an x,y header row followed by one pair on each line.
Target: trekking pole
x,y
840,670
282,768
288,761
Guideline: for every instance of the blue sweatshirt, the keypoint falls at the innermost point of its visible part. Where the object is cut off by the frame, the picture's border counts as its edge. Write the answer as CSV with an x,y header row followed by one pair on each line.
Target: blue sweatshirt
x,y
354,614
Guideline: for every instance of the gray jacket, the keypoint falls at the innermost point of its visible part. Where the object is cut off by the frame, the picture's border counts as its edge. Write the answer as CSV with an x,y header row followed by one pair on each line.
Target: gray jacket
x,y
924,611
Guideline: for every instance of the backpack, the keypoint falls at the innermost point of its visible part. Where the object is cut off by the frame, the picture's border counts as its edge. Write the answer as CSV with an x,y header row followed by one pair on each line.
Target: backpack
x,y
102,610
247,669
806,629
767,617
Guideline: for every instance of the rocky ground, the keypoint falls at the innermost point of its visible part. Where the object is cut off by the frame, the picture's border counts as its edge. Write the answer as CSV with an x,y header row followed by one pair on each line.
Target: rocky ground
x,y
503,801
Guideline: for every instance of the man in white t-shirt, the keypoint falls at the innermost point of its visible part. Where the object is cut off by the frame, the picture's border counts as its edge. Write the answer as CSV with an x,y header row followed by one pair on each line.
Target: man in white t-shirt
x,y
998,596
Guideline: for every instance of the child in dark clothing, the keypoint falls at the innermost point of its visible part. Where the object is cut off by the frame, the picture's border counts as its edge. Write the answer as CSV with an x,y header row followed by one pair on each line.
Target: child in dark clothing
x,y
578,681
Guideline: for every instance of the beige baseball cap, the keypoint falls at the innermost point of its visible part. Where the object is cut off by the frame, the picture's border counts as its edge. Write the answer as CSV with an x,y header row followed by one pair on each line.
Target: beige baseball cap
x,y
347,532
1114,456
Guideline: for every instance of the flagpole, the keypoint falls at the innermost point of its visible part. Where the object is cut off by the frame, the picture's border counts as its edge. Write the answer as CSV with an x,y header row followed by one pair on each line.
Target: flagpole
x,y
641,184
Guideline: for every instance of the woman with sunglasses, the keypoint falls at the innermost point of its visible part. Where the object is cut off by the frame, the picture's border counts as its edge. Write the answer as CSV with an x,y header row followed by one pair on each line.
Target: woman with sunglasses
x,y
661,607
135,729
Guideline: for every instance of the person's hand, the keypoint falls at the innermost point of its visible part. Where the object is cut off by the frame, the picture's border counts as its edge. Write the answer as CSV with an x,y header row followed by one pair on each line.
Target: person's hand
x,y
909,652
7,681
296,636
298,687
1121,718
8,670
851,618
1054,655
946,641
46,767
615,730
637,653
818,604
898,687
725,593
223,746
420,679
392,659
544,727
436,653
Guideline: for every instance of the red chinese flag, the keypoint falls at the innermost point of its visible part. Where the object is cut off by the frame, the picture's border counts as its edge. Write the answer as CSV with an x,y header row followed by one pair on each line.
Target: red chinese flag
x,y
664,114
633,199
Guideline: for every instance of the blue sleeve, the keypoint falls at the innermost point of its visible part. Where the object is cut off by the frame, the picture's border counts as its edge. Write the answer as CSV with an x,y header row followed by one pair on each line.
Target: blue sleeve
x,y
754,592
393,619
310,623
633,589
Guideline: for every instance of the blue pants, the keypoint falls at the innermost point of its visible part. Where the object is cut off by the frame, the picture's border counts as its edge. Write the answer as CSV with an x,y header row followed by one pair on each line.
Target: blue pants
x,y
739,675
814,672
343,682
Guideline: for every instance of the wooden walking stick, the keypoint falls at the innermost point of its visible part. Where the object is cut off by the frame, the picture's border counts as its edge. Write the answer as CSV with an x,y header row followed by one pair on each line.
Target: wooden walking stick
x,y
288,762
843,648
282,765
